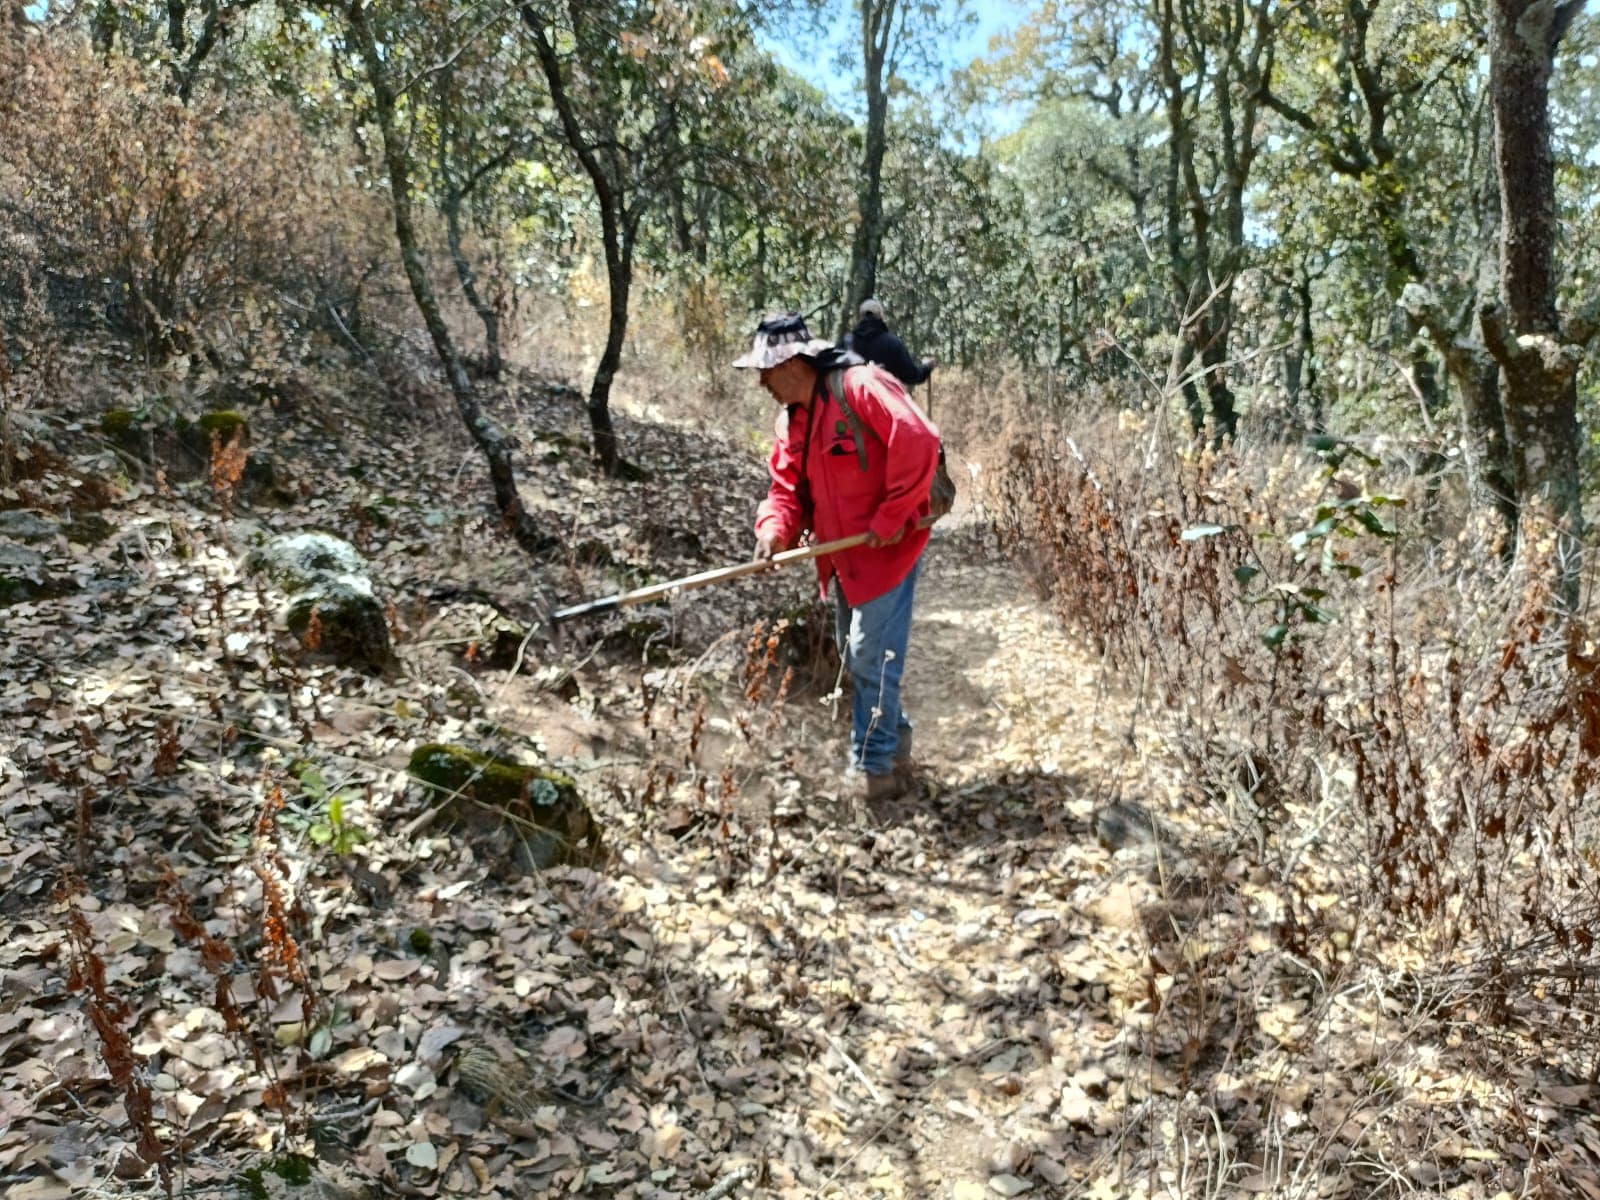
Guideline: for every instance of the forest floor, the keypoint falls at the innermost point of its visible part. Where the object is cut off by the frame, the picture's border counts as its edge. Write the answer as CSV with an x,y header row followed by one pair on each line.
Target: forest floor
x,y
1045,970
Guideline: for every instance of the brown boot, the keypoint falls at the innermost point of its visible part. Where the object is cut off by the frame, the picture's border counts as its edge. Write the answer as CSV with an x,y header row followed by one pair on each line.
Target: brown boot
x,y
884,787
903,765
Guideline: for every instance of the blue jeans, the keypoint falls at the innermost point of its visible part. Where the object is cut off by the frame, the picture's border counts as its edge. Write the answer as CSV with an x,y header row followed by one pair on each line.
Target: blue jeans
x,y
872,643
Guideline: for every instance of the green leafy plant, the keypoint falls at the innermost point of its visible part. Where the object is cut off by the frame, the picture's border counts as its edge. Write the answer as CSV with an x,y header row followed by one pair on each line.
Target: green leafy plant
x,y
320,1040
324,819
1326,547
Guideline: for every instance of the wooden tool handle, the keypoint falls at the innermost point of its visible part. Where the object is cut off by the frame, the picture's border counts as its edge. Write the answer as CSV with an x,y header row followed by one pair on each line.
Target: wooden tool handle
x,y
689,583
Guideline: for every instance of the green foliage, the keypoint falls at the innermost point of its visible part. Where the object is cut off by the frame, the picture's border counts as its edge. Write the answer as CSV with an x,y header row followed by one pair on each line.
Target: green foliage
x,y
1066,248
323,819
1335,542
293,1169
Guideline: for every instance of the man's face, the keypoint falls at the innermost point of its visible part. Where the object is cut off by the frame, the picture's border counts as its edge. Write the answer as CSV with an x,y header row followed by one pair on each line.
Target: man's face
x,y
786,382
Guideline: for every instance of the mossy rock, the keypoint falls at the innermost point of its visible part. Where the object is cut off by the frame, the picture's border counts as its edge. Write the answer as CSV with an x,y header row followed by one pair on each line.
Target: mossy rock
x,y
224,423
299,561
124,427
23,577
351,627
532,815
216,427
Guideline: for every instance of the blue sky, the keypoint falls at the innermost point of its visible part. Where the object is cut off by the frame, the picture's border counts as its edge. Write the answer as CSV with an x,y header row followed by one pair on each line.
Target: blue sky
x,y
821,65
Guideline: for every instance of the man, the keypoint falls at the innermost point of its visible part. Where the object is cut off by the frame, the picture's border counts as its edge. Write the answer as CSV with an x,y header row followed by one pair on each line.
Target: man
x,y
846,464
872,340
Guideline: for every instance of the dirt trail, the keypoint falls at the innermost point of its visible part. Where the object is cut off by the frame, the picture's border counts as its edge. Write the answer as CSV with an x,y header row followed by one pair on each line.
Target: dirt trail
x,y
992,679
979,943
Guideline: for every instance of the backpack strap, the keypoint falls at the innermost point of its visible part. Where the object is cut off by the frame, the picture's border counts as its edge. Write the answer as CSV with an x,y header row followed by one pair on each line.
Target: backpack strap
x,y
858,430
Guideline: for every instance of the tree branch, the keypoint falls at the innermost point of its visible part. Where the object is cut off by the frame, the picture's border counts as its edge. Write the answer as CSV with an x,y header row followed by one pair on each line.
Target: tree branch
x,y
1496,336
604,186
1420,304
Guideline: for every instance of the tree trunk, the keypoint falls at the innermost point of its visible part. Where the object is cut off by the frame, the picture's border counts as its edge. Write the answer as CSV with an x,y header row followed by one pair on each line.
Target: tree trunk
x,y
1490,477
1224,416
877,27
493,364
1306,393
103,28
1524,333
1183,361
619,281
490,440
617,236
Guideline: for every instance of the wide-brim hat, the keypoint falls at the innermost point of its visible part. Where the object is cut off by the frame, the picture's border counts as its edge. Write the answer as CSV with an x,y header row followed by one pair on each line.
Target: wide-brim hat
x,y
780,338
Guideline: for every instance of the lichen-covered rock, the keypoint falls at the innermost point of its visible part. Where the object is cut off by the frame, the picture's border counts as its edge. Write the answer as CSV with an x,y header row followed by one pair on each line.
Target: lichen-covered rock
x,y
340,616
23,525
332,607
530,815
295,562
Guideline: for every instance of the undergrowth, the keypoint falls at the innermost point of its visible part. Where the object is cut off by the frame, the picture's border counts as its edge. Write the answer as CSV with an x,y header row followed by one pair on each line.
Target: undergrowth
x,y
1391,729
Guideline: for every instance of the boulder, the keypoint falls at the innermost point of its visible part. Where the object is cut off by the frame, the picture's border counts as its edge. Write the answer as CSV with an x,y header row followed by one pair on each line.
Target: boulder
x,y
209,429
157,436
530,815
23,525
332,606
297,561
23,576
351,623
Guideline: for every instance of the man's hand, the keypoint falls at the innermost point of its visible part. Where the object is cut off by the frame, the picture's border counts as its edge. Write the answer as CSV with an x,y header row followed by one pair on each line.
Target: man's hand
x,y
766,547
875,541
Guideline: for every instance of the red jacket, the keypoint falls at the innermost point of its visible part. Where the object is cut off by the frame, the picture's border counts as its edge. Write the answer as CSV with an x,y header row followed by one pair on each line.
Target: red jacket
x,y
902,447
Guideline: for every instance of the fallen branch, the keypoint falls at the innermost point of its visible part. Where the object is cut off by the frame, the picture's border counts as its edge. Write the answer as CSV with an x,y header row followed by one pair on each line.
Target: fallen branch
x,y
725,1185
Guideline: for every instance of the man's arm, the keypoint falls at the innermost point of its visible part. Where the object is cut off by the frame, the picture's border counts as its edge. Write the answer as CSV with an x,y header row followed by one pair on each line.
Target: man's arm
x,y
897,359
911,447
781,517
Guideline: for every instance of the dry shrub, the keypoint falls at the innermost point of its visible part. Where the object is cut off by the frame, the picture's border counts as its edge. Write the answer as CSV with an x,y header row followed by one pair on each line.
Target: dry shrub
x,y
118,182
1404,729
225,230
